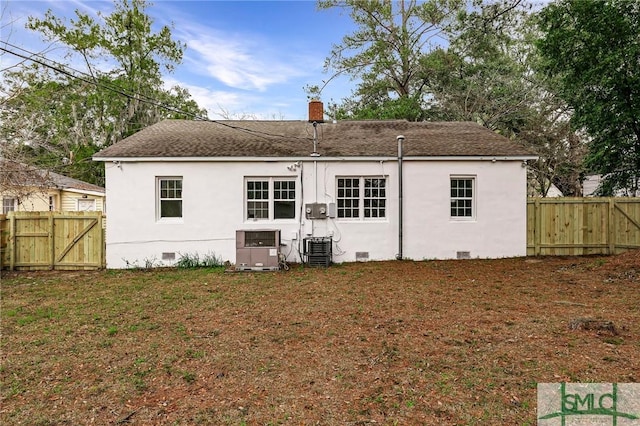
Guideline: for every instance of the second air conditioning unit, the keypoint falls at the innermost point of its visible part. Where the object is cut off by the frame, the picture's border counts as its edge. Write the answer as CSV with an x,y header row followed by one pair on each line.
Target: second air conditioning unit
x,y
318,251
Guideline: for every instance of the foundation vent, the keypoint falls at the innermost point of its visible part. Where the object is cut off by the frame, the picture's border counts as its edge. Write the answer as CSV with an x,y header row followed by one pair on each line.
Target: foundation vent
x,y
168,256
362,256
463,255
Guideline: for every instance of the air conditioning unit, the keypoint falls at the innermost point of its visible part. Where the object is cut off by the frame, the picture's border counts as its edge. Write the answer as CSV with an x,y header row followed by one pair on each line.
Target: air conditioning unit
x,y
318,251
257,250
316,211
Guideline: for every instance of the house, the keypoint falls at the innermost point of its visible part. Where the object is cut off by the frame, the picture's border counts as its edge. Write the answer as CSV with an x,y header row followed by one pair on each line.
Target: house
x,y
552,192
374,190
592,183
26,188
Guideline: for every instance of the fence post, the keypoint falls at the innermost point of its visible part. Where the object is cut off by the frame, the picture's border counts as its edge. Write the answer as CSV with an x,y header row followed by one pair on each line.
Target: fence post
x,y
3,249
103,245
611,231
11,242
51,240
537,237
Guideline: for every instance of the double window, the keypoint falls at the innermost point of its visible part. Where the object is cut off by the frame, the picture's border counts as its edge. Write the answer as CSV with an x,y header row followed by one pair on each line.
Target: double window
x,y
169,197
362,197
270,198
462,205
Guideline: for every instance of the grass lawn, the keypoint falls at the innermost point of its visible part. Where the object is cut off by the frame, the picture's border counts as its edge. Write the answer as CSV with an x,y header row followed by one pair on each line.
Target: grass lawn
x,y
402,342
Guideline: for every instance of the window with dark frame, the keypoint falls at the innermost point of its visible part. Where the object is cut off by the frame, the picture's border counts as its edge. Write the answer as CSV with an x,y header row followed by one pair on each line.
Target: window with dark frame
x,y
462,197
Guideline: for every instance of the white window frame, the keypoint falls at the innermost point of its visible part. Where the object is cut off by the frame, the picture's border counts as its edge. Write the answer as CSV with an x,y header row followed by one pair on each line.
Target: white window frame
x,y
455,196
80,201
251,192
160,198
361,202
9,204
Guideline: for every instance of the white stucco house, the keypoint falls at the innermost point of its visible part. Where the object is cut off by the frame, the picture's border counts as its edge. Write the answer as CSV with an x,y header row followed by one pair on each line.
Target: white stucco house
x,y
374,190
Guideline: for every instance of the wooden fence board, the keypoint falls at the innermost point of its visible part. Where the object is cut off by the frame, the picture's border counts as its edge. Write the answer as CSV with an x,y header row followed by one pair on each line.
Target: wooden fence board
x,y
555,226
4,241
582,226
53,240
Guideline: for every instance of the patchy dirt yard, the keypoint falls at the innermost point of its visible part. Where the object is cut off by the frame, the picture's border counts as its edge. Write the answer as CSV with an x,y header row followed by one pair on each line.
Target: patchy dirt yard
x,y
432,342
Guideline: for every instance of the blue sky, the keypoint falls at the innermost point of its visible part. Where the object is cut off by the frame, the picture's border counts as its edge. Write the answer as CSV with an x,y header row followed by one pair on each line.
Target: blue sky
x,y
244,59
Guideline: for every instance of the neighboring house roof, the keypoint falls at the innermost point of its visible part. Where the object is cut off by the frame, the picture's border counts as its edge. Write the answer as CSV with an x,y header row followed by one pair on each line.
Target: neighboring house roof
x,y
186,138
25,175
554,191
65,182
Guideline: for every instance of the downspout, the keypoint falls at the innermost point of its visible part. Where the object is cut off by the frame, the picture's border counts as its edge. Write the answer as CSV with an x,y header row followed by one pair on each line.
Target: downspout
x,y
400,193
301,212
315,154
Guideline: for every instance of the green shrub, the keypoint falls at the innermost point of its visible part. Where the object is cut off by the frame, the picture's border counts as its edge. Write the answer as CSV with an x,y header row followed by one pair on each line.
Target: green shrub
x,y
209,260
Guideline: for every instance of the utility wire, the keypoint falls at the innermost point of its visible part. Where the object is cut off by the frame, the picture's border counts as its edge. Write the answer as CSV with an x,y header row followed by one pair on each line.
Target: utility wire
x,y
88,78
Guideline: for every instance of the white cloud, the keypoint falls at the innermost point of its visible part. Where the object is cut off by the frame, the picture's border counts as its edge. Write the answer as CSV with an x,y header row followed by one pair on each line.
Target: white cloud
x,y
216,102
242,64
241,59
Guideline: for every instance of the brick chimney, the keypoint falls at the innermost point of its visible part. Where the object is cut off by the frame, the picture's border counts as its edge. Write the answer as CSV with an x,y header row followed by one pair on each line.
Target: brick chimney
x,y
316,111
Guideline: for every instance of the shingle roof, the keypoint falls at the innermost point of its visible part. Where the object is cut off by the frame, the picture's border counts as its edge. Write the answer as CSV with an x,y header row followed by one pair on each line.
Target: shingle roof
x,y
65,182
186,138
21,174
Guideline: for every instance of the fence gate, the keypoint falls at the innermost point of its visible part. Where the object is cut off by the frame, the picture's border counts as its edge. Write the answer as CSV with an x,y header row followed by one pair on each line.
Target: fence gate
x,y
52,240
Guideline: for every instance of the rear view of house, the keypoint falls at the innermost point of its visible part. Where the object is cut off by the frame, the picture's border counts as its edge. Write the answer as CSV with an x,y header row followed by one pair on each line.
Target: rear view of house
x,y
357,190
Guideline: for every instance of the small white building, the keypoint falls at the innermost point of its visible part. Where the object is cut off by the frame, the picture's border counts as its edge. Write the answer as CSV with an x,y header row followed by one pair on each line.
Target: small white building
x,y
376,190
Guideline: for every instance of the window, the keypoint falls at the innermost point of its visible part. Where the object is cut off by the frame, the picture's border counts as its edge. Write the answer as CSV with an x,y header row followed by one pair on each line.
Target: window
x,y
271,198
86,205
8,205
348,197
284,199
258,199
170,197
362,197
375,197
462,197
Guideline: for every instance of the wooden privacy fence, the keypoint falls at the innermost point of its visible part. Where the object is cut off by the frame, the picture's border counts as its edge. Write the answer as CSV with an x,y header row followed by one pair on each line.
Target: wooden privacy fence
x,y
555,226
52,240
582,226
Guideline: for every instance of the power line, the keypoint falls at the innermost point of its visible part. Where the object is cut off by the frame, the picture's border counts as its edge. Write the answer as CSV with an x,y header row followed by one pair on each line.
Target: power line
x,y
90,79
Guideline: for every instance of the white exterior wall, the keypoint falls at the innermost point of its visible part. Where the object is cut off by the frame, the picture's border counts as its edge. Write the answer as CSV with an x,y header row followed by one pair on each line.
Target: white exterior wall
x,y
498,228
214,208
